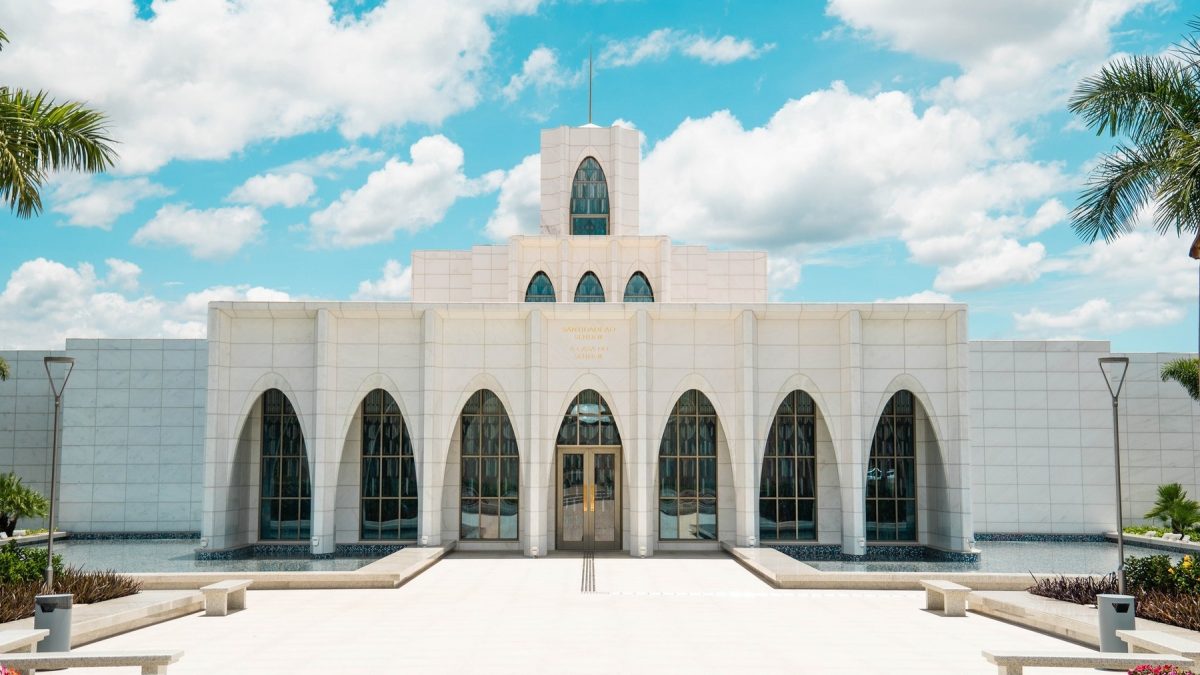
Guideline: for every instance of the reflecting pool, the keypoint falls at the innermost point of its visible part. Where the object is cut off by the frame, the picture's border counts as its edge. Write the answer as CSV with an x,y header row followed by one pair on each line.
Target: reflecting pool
x,y
179,555
1042,557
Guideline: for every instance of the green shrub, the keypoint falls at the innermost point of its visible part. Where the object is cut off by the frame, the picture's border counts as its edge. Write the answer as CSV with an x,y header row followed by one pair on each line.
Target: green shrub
x,y
25,563
1151,573
1174,508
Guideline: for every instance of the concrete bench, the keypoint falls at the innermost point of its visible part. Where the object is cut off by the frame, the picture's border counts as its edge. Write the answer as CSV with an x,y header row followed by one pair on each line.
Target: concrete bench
x,y
947,596
1014,663
24,640
151,662
223,596
1158,642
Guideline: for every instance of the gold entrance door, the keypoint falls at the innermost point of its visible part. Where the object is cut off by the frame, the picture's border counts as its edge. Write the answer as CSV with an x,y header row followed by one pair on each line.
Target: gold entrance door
x,y
589,498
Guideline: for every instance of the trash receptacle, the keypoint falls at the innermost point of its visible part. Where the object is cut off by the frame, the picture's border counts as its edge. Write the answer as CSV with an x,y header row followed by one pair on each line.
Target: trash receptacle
x,y
1116,613
53,612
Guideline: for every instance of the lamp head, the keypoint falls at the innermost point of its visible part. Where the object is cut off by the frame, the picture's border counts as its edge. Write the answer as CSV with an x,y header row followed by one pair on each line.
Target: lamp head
x,y
58,369
1114,369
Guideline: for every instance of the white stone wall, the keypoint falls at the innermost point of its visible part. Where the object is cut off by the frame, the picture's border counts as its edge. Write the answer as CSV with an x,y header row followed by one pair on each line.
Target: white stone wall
x,y
1041,427
327,356
132,433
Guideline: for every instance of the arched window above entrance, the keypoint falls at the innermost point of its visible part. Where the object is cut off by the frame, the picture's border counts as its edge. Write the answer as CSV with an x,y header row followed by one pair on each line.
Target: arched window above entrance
x,y
540,289
638,289
588,422
589,199
589,289
891,495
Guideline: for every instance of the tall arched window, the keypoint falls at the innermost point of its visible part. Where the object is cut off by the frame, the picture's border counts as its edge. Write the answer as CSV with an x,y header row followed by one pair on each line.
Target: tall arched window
x,y
491,470
540,289
687,470
589,289
891,474
285,499
389,472
787,495
638,289
589,199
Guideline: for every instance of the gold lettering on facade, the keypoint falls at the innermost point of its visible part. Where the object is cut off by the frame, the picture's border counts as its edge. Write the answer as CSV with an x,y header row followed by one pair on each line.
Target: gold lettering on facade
x,y
588,343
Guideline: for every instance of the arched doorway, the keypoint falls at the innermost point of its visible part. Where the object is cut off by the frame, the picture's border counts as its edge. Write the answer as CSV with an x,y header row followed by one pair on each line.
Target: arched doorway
x,y
588,475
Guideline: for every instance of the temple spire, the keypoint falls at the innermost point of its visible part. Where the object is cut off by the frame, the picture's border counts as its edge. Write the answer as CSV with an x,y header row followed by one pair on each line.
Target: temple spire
x,y
589,85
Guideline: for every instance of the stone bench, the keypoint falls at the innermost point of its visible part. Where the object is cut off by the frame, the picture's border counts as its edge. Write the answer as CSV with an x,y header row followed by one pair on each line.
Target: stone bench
x,y
225,595
1014,663
23,640
947,596
151,662
1158,642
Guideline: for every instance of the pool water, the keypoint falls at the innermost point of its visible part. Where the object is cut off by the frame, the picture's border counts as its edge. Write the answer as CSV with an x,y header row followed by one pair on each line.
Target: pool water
x,y
1013,556
179,555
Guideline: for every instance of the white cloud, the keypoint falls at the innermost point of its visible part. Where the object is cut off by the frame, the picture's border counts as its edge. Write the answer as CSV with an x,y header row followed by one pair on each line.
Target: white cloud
x,y
206,233
330,164
726,49
122,274
265,190
659,44
1018,57
408,196
202,79
518,209
542,71
44,302
89,202
923,297
783,274
395,284
1139,280
835,167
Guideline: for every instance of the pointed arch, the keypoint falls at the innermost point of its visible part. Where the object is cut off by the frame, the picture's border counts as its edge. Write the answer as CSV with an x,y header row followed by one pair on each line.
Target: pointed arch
x,y
540,289
788,484
388,479
687,470
489,492
285,495
589,288
891,486
638,289
588,421
589,199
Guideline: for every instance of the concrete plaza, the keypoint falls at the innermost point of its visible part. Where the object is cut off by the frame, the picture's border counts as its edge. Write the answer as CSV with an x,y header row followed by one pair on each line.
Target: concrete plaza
x,y
672,613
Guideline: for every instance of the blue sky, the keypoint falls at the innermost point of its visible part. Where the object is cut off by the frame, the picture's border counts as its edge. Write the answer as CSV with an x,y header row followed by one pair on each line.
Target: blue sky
x,y
299,149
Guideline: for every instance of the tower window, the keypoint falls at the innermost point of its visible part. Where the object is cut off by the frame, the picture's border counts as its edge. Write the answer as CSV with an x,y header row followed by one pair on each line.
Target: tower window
x,y
589,199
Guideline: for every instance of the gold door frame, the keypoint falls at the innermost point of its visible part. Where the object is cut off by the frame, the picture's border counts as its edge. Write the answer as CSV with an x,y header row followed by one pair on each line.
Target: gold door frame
x,y
588,541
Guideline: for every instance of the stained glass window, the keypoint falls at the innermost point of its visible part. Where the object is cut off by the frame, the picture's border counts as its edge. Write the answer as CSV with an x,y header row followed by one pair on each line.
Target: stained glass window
x,y
589,199
540,289
589,289
638,289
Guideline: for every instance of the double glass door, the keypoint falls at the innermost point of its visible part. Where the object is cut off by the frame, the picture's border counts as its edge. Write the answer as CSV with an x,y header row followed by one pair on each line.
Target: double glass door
x,y
589,498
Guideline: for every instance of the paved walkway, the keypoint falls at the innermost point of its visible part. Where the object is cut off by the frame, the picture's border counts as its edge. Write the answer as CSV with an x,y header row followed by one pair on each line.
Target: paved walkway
x,y
479,613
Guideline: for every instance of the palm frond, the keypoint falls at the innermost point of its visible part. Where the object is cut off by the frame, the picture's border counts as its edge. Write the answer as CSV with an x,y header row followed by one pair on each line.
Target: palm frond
x,y
1186,372
3,369
1141,96
1121,184
38,136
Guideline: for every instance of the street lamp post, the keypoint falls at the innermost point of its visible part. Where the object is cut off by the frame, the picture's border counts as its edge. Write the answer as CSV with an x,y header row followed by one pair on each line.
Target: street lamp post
x,y
1114,369
55,366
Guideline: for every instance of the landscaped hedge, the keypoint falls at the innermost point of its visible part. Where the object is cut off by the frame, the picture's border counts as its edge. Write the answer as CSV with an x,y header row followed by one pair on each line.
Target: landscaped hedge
x,y
21,570
1165,592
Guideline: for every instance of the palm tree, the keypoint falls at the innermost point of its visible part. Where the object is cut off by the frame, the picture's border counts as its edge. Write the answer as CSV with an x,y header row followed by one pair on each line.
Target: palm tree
x,y
38,136
1186,372
1174,508
1154,102
3,370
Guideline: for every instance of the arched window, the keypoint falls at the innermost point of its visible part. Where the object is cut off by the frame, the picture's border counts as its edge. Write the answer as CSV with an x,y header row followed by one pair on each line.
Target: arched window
x,y
589,289
891,474
588,422
638,289
540,289
491,470
687,470
589,199
787,494
285,499
389,472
